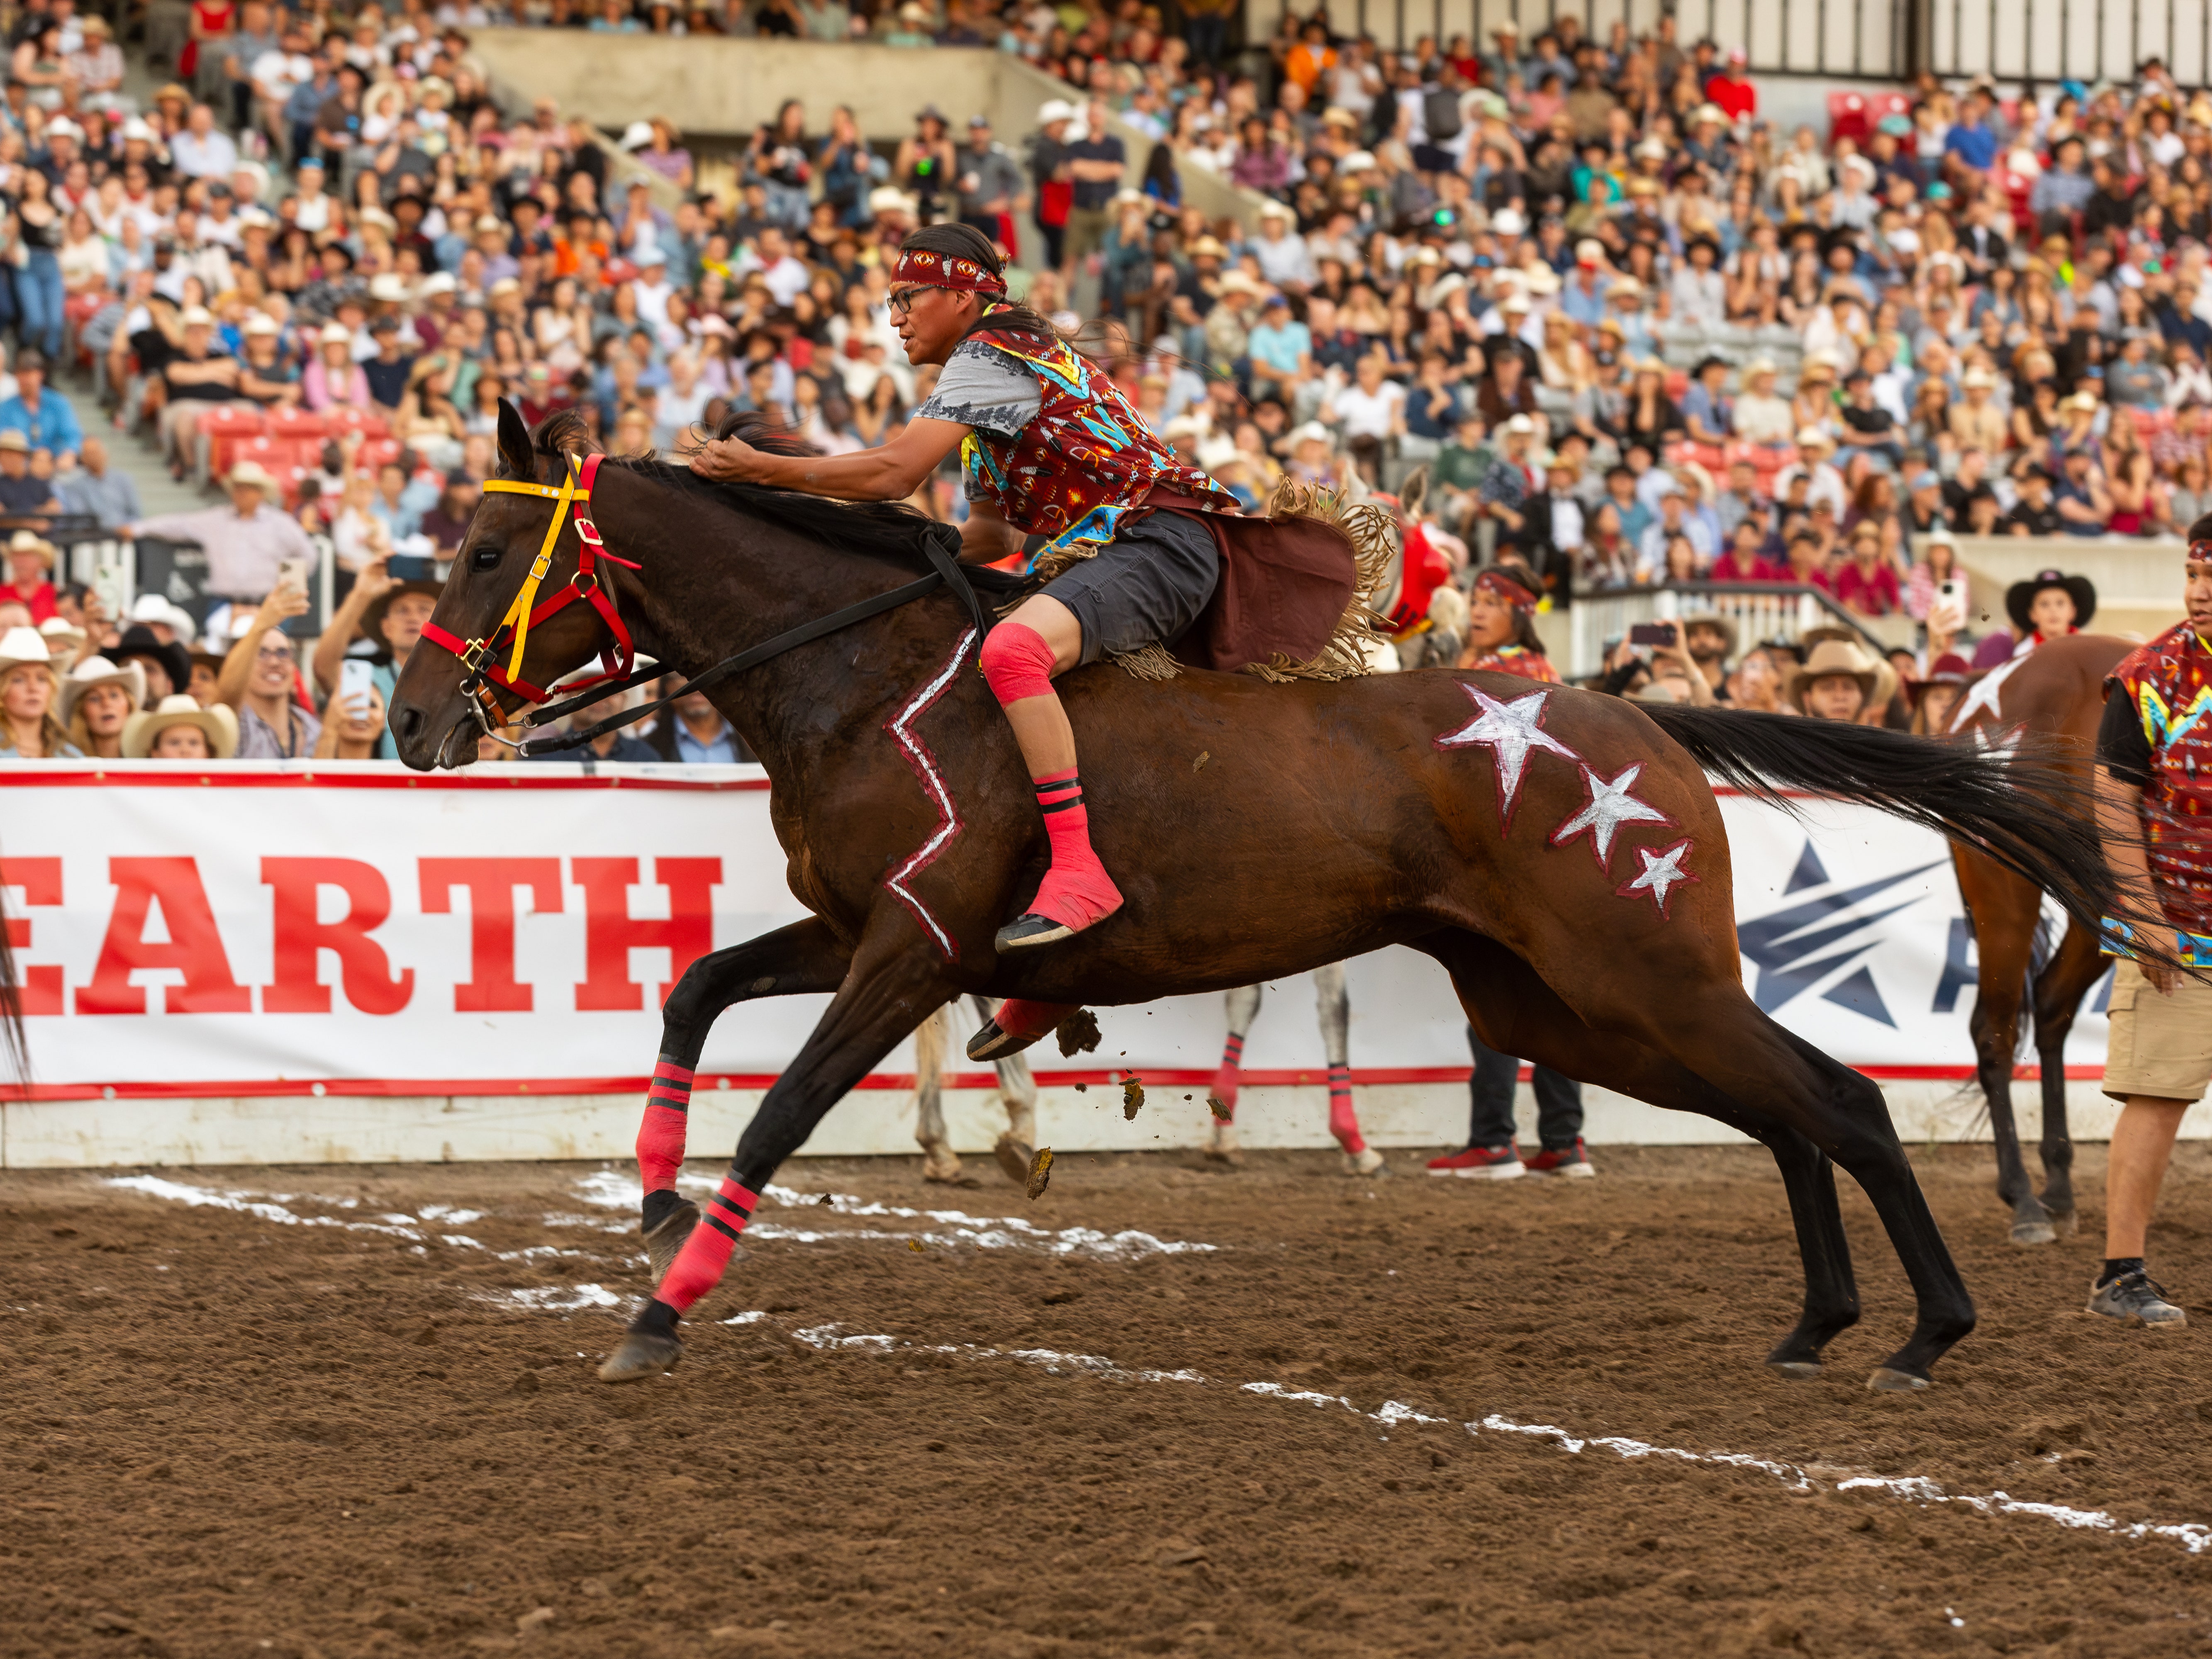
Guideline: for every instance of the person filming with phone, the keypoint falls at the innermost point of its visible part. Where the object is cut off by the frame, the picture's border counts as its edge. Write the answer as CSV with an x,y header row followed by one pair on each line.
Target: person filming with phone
x,y
261,680
248,541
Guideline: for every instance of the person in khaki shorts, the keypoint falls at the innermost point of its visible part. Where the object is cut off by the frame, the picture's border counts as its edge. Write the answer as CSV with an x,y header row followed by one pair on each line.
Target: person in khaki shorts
x,y
2155,801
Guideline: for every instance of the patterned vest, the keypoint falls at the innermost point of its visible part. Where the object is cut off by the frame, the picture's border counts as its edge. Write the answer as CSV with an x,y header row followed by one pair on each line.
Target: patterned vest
x,y
1082,463
2169,685
1517,659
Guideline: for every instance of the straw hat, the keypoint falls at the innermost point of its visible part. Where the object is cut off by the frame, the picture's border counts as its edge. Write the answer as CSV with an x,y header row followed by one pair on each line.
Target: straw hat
x,y
217,721
1812,437
95,671
62,637
1831,657
24,541
251,475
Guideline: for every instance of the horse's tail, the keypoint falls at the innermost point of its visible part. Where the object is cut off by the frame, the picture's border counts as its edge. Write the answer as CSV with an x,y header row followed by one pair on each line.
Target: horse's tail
x,y
2030,810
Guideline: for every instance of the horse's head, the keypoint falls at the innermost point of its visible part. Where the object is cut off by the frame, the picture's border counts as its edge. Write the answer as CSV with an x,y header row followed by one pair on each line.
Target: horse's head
x,y
455,675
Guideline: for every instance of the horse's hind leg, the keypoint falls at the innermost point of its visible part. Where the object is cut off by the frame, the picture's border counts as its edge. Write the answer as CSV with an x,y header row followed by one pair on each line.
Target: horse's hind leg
x,y
1514,1010
2005,910
1244,1007
931,1039
1018,1093
1333,1004
2073,969
803,956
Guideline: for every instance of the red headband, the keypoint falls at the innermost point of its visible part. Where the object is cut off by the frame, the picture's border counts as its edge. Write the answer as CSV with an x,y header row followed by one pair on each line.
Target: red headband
x,y
950,270
2200,551
1507,588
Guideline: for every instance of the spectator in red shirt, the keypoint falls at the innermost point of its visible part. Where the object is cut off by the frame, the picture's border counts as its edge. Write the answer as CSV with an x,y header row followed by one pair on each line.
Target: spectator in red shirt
x,y
1742,562
1867,585
1732,90
30,573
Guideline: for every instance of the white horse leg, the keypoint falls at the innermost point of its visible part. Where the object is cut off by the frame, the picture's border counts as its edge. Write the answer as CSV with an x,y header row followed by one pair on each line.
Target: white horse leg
x,y
1333,1004
1243,1005
1018,1093
938,1161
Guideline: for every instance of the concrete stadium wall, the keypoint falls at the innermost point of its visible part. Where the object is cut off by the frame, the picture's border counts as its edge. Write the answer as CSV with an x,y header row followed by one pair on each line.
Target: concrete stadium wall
x,y
727,86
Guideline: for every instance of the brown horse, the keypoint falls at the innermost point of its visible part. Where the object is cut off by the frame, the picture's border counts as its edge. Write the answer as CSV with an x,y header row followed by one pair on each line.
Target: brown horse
x,y
2055,695
1558,853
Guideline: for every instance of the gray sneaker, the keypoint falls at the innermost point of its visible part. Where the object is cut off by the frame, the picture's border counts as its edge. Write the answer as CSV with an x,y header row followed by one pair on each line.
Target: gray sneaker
x,y
2136,1299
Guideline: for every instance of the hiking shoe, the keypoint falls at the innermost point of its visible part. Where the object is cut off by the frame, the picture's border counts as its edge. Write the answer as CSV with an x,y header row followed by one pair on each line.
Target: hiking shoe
x,y
2134,1299
1482,1164
1573,1162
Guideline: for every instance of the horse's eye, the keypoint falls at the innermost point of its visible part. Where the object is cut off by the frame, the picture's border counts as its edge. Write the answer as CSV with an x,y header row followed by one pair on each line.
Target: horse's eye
x,y
486,557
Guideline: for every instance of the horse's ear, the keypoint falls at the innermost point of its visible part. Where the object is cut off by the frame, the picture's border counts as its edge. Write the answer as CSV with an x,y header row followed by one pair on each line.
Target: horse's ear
x,y
514,442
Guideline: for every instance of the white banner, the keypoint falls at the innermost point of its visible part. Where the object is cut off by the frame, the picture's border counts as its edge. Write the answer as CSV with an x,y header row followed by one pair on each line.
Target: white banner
x,y
277,928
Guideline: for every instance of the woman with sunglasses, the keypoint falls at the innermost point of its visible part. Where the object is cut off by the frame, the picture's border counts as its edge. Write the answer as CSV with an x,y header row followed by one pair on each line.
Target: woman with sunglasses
x,y
1050,448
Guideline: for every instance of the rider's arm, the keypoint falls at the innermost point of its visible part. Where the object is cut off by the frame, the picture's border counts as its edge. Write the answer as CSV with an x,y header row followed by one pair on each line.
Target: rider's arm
x,y
891,472
986,536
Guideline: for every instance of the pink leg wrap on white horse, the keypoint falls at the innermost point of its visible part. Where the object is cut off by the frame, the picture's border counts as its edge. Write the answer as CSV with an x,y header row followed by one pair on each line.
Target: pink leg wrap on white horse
x,y
1343,1121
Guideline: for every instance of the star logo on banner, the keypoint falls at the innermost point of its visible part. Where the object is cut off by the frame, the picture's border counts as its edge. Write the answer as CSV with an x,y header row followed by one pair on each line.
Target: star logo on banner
x,y
1983,694
1509,731
1662,874
1611,805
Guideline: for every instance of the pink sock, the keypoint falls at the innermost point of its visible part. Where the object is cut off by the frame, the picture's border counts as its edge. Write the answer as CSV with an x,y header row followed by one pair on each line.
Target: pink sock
x,y
1343,1121
1227,1079
698,1266
1018,1017
1077,891
660,1136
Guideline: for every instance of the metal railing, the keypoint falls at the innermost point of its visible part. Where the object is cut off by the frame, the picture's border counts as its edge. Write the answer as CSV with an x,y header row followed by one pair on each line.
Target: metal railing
x,y
1760,610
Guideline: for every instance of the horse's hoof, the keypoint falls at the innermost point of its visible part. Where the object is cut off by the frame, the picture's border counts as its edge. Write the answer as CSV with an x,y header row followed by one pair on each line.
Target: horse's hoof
x,y
663,1242
1367,1162
1888,1380
2068,1222
1013,1159
1797,1370
940,1165
1224,1147
2034,1232
642,1354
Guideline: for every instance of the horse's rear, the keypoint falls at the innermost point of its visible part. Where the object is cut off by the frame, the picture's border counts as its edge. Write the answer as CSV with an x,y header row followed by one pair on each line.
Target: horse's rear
x,y
2053,697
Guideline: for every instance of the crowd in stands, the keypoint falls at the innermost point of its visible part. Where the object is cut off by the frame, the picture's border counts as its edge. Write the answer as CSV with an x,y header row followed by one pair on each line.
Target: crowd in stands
x,y
1573,295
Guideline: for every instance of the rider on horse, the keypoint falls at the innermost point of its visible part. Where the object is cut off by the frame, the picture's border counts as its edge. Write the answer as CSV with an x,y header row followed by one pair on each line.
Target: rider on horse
x,y
1501,626
1049,447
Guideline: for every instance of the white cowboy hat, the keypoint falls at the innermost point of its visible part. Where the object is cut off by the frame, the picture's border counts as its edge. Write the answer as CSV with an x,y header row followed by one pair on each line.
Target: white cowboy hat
x,y
889,198
252,475
97,672
1812,437
1312,432
217,721
21,645
62,636
637,135
24,541
156,608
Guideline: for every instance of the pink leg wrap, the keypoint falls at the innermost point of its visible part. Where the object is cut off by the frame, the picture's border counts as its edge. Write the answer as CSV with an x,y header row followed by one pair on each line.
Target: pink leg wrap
x,y
1016,662
1225,1080
699,1264
1017,1016
1343,1121
660,1136
1076,890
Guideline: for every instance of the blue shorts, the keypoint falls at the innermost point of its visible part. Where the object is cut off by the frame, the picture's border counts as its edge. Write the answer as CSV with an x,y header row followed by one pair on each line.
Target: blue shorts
x,y
1145,586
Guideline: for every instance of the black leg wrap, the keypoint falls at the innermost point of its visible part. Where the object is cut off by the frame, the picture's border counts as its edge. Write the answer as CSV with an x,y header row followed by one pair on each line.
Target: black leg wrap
x,y
660,1205
656,1318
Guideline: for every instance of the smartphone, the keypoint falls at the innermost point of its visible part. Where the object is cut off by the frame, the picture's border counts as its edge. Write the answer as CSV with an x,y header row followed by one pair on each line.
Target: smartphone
x,y
1658,633
292,572
1953,592
356,677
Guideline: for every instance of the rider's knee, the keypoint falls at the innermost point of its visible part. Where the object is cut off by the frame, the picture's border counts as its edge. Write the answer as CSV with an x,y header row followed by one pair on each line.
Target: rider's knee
x,y
1016,662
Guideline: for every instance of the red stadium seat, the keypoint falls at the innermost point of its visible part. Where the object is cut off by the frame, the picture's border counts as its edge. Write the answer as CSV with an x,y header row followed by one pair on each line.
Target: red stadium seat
x,y
1678,383
368,424
1854,115
225,429
298,423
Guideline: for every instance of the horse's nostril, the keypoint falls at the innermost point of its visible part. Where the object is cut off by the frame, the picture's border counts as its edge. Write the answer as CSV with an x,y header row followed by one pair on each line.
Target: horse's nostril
x,y
407,721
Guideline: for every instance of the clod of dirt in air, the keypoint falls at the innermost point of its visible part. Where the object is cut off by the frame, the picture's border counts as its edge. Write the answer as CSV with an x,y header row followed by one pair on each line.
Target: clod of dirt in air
x,y
1078,1034
533,1621
1199,765
915,1244
1213,1104
1040,1172
1132,1096
1083,1088
825,1198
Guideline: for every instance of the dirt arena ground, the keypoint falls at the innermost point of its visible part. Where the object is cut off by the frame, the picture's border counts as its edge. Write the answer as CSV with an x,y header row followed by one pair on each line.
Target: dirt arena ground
x,y
355,1418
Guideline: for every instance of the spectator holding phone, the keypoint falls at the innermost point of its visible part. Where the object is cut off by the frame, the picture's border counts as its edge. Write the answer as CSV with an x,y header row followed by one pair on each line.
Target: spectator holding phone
x,y
390,614
353,722
261,680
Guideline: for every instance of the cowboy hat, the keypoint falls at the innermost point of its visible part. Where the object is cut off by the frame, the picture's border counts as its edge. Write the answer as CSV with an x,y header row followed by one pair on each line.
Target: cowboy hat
x,y
372,619
2020,596
219,724
1949,669
24,541
1831,657
21,645
140,641
249,475
95,671
1725,623
1812,437
62,636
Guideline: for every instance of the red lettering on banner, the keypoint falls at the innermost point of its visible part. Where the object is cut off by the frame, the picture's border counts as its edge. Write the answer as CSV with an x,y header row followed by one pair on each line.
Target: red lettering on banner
x,y
491,987
194,947
41,881
611,933
298,939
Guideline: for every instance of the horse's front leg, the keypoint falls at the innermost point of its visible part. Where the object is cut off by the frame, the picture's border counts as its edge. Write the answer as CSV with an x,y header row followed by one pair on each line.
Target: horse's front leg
x,y
1018,1093
889,989
938,1161
803,956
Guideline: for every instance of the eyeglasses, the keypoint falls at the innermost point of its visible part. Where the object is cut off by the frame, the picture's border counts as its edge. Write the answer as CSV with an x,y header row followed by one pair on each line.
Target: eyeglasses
x,y
901,302
266,655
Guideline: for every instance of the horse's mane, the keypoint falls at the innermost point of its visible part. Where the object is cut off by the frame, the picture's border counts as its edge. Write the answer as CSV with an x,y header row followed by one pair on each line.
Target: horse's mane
x,y
890,530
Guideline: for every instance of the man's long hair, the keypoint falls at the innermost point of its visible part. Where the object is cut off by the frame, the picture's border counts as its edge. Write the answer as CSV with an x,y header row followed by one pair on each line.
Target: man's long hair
x,y
966,242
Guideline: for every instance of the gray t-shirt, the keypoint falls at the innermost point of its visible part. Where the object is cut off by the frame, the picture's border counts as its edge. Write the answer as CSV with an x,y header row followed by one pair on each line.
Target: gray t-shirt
x,y
981,387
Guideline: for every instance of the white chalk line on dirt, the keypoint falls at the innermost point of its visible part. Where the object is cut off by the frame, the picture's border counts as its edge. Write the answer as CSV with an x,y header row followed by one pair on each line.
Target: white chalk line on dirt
x,y
2193,1536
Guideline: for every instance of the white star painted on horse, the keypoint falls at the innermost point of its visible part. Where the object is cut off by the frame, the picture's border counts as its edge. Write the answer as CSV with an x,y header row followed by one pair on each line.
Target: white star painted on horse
x,y
1662,874
1509,730
1984,694
1611,805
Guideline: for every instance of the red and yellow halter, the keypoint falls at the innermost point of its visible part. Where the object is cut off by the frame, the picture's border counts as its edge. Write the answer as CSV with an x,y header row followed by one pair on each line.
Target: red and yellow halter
x,y
478,655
